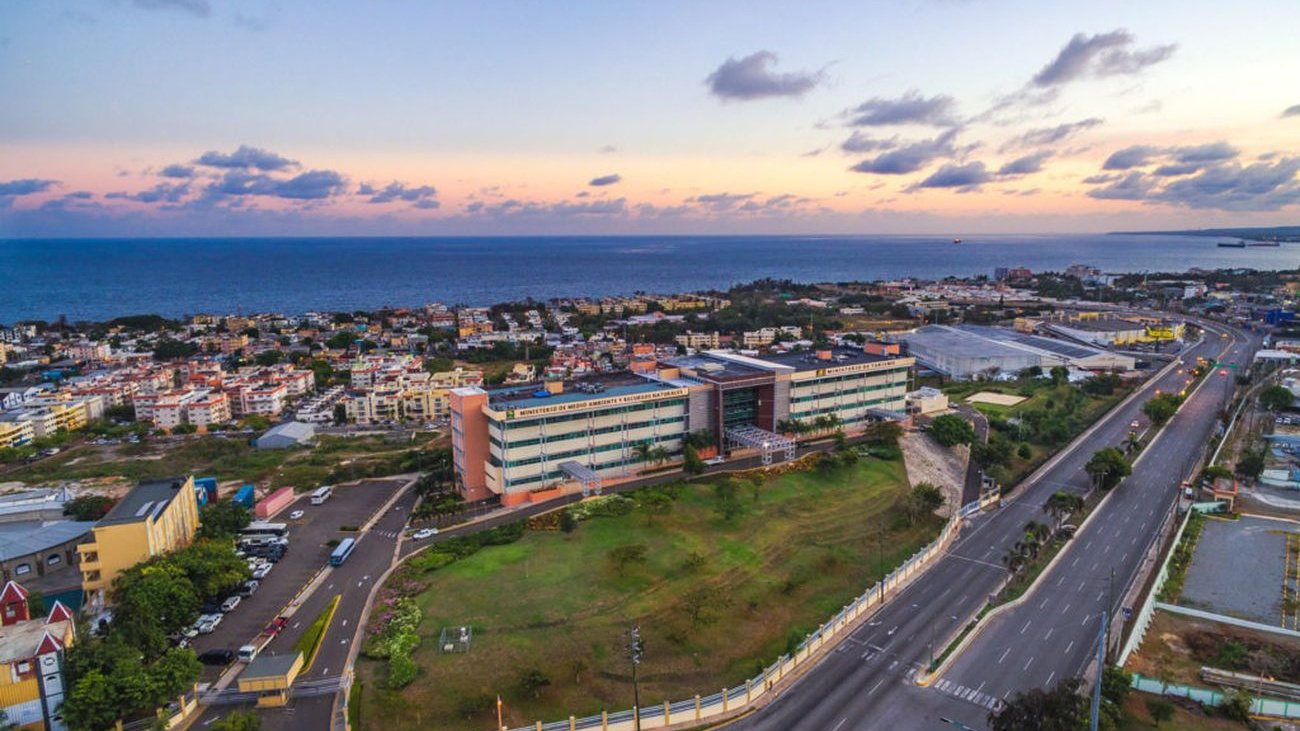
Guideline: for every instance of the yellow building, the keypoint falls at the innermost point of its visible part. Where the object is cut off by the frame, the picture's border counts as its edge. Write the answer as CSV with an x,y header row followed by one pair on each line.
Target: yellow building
x,y
270,676
155,517
15,432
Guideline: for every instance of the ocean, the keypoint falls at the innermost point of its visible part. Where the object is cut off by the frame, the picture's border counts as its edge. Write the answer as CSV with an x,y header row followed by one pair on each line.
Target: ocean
x,y
85,279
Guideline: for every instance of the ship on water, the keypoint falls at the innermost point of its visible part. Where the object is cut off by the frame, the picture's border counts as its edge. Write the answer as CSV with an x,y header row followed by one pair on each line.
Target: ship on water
x,y
1232,244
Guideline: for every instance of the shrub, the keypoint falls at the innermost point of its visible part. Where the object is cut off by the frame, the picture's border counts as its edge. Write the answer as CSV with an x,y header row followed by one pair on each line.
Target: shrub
x,y
401,671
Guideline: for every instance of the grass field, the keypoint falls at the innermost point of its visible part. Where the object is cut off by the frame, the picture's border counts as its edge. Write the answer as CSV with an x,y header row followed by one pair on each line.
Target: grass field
x,y
715,600
309,643
1187,717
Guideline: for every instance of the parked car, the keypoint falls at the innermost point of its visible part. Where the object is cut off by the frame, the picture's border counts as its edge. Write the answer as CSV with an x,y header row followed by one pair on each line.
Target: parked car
x,y
207,628
248,652
260,572
296,515
276,626
248,587
217,657
230,603
423,533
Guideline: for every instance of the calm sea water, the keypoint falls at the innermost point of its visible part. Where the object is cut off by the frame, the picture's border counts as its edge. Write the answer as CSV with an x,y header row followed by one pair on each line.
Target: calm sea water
x,y
100,279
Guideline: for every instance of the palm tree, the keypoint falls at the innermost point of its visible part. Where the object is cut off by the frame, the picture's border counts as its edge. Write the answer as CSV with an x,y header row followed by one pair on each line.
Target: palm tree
x,y
657,455
1037,532
642,451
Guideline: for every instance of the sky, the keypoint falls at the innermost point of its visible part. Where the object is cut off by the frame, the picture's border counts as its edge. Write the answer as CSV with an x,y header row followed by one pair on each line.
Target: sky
x,y
325,117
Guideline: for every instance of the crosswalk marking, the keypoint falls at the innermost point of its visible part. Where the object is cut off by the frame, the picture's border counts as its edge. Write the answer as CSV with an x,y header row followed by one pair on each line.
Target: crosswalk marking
x,y
970,695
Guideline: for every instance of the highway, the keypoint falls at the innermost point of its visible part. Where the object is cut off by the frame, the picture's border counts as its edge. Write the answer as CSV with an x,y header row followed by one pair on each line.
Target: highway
x,y
867,682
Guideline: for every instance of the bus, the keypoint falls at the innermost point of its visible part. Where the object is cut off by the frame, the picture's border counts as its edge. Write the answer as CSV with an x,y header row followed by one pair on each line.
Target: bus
x,y
321,494
342,551
260,528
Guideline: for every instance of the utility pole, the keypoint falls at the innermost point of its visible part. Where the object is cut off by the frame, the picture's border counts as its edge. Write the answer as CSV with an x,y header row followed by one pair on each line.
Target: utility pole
x,y
634,653
1101,670
880,559
1110,607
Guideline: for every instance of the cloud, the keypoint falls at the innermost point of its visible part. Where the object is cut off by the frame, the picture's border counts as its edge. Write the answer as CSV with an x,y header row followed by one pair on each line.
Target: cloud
x,y
1229,186
1212,152
26,186
245,158
176,170
1291,111
1026,165
859,142
718,202
311,185
1167,171
426,204
160,193
910,157
966,177
605,180
201,8
1103,178
1097,56
607,150
910,108
751,78
396,191
1051,135
1131,157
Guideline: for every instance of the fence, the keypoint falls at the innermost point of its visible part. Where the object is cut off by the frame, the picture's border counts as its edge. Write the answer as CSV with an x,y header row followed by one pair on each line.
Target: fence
x,y
734,699
1266,707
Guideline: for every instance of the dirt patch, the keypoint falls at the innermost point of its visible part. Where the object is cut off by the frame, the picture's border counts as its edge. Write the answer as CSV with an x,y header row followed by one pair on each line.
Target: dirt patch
x,y
992,397
1177,647
929,461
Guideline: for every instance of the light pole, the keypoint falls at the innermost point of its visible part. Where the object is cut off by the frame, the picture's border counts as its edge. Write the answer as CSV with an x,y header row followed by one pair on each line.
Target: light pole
x,y
634,649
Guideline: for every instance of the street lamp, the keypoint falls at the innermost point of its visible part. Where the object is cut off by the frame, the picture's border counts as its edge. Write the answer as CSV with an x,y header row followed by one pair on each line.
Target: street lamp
x,y
634,648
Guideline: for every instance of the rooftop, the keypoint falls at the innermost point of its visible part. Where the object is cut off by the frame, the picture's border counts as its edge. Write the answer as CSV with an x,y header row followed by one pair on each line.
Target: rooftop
x,y
147,498
585,389
269,665
715,369
807,360
34,536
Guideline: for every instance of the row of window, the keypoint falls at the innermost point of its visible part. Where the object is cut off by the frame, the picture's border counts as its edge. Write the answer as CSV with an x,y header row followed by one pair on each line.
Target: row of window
x,y
558,474
848,377
25,568
835,409
560,456
843,392
588,433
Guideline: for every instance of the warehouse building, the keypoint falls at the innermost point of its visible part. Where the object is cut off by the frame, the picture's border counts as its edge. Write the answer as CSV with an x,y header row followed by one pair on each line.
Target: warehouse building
x,y
967,351
530,443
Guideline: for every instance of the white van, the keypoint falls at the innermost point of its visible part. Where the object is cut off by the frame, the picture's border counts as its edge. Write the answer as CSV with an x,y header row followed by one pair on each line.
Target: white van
x,y
248,652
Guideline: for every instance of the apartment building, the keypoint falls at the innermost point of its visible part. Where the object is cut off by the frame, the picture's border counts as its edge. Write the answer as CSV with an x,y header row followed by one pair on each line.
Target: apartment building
x,y
698,341
169,409
15,432
156,516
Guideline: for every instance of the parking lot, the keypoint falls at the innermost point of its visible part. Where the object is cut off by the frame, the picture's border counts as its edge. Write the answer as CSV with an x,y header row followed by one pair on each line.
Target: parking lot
x,y
1237,569
308,553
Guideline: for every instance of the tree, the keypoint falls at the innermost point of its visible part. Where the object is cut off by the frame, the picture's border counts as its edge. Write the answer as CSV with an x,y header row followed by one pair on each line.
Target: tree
x,y
1108,466
268,357
1276,398
150,602
1251,464
1063,708
1061,504
623,556
212,567
997,453
341,340
568,523
883,432
340,414
654,503
1116,685
533,682
951,430
169,349
1033,371
121,413
1060,375
691,461
1236,706
223,519
1162,408
88,507
1160,709
703,604
725,502
924,498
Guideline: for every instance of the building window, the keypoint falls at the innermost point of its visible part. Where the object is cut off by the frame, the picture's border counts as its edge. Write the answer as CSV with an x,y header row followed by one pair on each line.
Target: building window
x,y
23,568
54,560
24,667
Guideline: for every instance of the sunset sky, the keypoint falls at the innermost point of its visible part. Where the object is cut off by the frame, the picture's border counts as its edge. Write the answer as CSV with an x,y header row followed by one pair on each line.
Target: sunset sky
x,y
287,117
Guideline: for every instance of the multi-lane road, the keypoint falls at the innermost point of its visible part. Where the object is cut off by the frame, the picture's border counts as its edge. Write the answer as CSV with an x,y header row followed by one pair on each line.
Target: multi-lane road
x,y
868,681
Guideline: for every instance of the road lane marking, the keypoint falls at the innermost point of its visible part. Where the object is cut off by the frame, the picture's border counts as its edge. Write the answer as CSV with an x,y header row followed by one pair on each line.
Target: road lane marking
x,y
1067,647
1027,623
841,723
1067,608
1049,678
1031,660
1004,655
877,685
1048,636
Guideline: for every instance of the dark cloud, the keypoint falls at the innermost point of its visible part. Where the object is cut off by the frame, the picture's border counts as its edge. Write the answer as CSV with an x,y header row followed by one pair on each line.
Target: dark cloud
x,y
1026,165
160,193
26,186
751,78
607,150
605,180
245,158
718,202
427,204
177,170
1291,111
1168,171
910,108
1101,55
966,177
311,185
859,142
1212,152
396,191
910,157
1131,157
1051,135
1103,178
201,8
1229,186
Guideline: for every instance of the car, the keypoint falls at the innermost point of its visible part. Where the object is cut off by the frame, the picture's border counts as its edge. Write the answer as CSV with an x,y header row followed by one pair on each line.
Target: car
x,y
217,657
260,572
276,626
230,603
207,628
248,652
423,533
189,633
296,514
209,608
1135,424
248,587
715,460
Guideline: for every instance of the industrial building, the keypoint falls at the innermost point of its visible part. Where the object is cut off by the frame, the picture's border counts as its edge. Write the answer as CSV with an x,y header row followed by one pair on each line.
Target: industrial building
x,y
530,443
967,351
1097,329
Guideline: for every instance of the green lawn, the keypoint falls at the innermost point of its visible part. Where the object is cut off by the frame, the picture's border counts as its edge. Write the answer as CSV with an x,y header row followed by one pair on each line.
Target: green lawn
x,y
805,544
310,641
